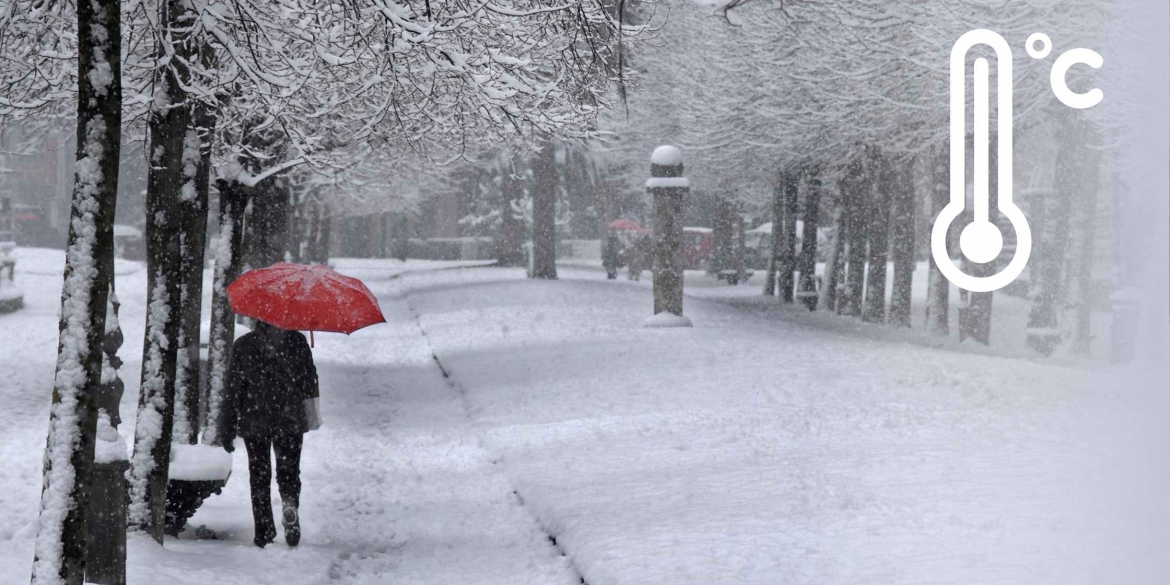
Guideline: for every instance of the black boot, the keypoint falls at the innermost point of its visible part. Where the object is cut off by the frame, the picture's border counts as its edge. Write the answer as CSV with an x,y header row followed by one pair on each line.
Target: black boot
x,y
291,520
264,539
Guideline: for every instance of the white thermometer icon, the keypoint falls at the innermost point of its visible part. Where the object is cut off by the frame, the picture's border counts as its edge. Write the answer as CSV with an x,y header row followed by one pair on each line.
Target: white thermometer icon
x,y
981,241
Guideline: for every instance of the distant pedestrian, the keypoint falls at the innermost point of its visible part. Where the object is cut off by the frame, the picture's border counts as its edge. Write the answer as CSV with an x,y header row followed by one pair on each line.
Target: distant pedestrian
x,y
639,257
270,378
609,257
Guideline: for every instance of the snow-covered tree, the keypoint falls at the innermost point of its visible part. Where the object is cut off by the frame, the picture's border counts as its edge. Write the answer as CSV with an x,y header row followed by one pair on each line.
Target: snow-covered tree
x,y
94,56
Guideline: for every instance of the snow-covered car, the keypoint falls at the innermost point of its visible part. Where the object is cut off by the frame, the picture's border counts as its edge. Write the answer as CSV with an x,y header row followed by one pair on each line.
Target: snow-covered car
x,y
757,244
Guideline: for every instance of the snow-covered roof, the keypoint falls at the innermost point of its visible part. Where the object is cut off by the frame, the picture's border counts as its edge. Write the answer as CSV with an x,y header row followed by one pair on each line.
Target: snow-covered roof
x,y
666,155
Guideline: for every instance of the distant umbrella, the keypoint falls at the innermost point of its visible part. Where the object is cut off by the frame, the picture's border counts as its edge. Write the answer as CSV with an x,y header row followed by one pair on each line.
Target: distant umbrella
x,y
305,298
624,224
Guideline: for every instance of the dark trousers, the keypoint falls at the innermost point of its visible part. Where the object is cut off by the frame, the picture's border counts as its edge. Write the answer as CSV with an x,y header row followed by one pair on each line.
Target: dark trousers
x,y
288,476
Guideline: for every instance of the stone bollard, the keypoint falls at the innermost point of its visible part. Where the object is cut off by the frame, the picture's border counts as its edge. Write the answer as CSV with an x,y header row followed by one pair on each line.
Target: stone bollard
x,y
668,187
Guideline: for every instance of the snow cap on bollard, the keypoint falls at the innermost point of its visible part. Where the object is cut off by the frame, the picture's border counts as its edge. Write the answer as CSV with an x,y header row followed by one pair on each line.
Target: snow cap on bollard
x,y
665,160
666,168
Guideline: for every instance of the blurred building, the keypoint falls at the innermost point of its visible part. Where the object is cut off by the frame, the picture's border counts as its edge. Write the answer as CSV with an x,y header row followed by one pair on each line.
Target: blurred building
x,y
36,178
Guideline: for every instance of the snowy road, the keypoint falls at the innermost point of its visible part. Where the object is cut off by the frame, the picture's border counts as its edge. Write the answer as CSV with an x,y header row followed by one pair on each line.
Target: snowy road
x,y
750,449
754,450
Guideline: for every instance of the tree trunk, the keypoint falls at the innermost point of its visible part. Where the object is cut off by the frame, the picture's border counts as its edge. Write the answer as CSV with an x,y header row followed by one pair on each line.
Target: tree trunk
x,y
722,234
312,230
268,224
105,561
544,215
874,310
574,181
60,550
402,236
188,399
193,240
828,294
903,244
740,243
807,289
790,183
317,248
323,242
1085,202
975,314
300,222
590,192
975,310
156,401
777,237
607,198
509,251
856,186
228,257
938,287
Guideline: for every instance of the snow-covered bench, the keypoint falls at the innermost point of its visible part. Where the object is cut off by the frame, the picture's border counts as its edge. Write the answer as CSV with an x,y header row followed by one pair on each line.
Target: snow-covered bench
x,y
733,277
11,298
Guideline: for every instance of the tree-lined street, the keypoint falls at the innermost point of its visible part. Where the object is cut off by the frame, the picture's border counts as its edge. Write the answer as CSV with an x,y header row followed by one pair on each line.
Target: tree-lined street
x,y
904,319
687,456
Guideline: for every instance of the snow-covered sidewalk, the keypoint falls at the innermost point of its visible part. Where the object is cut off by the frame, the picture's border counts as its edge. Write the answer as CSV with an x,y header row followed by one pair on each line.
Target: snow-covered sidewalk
x,y
397,488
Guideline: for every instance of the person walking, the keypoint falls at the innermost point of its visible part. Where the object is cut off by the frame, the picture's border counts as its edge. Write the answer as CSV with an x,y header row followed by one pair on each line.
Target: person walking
x,y
270,380
641,257
610,258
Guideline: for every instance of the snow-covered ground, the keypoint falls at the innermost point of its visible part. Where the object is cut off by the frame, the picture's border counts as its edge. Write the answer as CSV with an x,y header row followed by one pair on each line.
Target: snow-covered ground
x,y
763,445
1008,327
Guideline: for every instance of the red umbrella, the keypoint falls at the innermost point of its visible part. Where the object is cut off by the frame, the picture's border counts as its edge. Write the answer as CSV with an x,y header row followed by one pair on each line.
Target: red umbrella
x,y
624,224
305,298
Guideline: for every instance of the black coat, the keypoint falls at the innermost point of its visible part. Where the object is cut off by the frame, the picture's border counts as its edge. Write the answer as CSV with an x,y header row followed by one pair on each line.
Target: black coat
x,y
267,384
610,258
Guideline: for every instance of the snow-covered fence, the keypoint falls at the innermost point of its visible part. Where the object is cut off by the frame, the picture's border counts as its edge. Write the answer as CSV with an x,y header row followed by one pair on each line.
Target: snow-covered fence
x,y
451,249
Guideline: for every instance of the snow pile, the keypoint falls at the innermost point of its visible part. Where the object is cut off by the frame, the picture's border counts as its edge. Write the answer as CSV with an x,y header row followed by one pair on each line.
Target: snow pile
x,y
199,463
110,446
10,293
667,319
